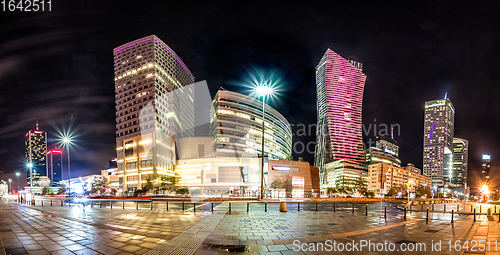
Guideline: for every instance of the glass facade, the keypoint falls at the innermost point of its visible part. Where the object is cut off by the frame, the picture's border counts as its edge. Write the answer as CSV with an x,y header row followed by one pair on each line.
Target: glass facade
x,y
36,153
439,122
339,90
154,105
237,128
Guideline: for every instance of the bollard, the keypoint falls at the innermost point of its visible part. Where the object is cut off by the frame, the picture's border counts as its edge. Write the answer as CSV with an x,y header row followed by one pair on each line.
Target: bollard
x,y
265,206
151,204
452,212
480,208
298,206
42,203
471,208
353,208
183,205
334,207
458,208
427,217
212,207
422,206
433,207
366,211
62,202
474,214
123,204
229,208
137,205
248,206
194,207
404,213
111,204
316,207
50,202
100,204
282,206
167,205
495,209
385,211
444,208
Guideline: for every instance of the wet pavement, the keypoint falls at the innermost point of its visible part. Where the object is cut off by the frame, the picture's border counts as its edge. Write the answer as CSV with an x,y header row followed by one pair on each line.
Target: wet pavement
x,y
26,229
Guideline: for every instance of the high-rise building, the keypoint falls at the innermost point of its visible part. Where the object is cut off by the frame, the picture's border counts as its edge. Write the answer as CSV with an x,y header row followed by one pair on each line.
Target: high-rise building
x,y
376,155
485,173
339,90
237,128
412,168
148,115
54,166
458,176
439,121
36,153
387,144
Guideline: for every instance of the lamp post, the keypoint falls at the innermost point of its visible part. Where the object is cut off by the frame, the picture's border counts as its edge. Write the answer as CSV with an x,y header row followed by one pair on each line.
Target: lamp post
x,y
408,193
263,91
67,142
10,184
30,165
17,174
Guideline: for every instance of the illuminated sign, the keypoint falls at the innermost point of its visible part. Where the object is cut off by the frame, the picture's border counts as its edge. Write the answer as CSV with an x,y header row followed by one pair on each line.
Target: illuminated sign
x,y
281,168
486,157
390,152
438,103
298,182
38,132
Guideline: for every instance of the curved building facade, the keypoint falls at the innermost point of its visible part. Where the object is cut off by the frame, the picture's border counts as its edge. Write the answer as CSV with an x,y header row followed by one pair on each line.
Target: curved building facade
x,y
237,128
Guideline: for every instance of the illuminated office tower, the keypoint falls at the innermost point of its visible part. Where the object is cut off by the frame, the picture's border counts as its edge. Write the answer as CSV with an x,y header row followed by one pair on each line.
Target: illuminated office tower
x,y
439,119
458,176
339,90
387,144
54,166
148,116
36,150
485,173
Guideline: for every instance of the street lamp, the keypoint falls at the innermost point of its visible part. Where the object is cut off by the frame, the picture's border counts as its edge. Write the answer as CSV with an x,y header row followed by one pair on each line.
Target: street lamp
x,y
67,141
10,184
263,91
30,165
408,193
17,174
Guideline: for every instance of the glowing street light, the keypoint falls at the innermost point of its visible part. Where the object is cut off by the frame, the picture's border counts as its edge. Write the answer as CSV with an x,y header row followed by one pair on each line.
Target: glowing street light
x,y
263,91
17,174
67,142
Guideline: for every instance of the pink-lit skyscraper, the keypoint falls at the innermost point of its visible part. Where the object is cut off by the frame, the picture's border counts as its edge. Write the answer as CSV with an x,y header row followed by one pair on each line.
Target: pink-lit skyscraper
x,y
339,90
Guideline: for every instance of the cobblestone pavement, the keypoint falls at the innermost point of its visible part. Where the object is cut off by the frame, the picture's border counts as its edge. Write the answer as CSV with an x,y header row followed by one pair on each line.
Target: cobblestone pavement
x,y
73,230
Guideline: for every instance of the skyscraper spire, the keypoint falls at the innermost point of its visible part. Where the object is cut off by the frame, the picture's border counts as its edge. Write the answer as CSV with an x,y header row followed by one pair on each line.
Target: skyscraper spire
x,y
36,124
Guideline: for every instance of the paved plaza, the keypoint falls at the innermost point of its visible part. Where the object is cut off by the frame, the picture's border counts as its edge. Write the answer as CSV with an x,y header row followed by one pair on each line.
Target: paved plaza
x,y
26,229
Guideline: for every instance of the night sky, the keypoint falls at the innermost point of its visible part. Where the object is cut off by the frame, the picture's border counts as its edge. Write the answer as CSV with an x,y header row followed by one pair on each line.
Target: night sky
x,y
57,67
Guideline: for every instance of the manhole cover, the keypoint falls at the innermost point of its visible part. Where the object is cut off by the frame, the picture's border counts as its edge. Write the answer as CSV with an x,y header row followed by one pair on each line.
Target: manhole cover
x,y
231,248
431,230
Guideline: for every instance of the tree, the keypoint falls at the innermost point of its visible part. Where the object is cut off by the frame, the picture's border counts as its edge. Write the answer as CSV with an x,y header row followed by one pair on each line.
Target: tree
x,y
61,190
168,182
331,191
276,185
182,191
46,190
96,186
148,186
393,191
114,191
423,191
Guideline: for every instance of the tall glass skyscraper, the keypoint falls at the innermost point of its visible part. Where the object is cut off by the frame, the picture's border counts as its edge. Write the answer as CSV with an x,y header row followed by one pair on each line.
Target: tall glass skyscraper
x,y
339,90
148,116
458,176
54,166
439,122
485,172
36,153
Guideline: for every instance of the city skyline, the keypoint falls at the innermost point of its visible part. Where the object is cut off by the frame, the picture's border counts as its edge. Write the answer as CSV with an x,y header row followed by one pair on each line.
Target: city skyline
x,y
80,92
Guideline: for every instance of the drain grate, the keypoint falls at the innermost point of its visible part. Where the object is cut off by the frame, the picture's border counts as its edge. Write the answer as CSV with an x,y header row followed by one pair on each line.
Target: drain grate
x,y
230,248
